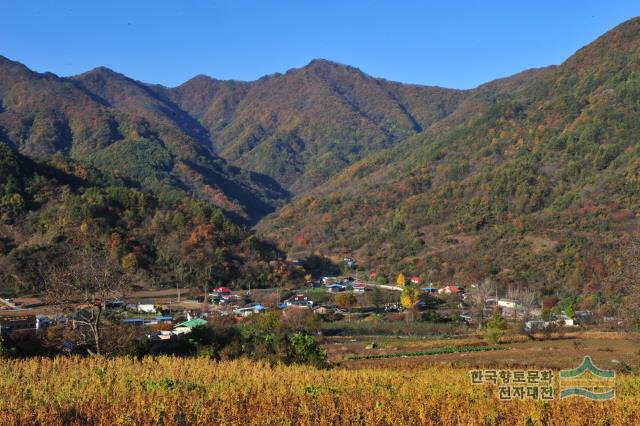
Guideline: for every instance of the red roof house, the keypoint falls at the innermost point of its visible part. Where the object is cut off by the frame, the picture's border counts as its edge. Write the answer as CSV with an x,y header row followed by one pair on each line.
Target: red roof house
x,y
450,289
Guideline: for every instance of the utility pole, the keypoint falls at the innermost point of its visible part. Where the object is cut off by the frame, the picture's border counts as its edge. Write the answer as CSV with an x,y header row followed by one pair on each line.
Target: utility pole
x,y
278,295
206,298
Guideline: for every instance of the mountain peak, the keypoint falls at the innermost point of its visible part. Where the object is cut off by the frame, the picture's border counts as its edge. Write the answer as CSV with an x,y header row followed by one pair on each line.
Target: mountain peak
x,y
323,62
326,64
100,72
199,79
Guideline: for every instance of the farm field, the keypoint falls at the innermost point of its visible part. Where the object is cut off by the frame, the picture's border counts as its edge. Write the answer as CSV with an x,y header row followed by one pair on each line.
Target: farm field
x,y
609,350
167,390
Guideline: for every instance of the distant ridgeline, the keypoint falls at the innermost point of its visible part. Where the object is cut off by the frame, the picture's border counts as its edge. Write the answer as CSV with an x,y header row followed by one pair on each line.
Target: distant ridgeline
x,y
531,179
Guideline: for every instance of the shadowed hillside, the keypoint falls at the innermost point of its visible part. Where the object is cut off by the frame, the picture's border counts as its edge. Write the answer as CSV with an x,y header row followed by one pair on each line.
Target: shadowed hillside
x,y
53,214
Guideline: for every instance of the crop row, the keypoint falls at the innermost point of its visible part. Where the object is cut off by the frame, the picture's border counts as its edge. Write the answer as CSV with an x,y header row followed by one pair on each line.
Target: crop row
x,y
435,351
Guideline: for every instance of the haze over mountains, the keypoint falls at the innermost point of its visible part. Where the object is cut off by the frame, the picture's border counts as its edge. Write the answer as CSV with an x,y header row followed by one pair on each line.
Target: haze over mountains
x,y
532,179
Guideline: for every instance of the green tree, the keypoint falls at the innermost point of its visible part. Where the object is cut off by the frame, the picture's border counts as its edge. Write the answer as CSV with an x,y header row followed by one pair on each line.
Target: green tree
x,y
303,349
376,297
496,328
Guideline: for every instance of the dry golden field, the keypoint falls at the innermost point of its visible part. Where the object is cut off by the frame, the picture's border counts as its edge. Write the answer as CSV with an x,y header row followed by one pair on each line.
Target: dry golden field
x,y
167,390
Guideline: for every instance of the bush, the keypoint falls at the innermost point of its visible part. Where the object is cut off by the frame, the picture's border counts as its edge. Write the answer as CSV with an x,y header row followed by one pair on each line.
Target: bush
x,y
303,349
431,315
496,328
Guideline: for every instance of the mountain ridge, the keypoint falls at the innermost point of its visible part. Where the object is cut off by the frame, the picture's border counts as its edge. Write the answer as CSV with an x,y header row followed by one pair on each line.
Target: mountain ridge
x,y
134,135
402,176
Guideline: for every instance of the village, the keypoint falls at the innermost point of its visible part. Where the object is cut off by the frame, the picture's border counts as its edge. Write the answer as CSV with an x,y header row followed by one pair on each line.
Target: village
x,y
338,304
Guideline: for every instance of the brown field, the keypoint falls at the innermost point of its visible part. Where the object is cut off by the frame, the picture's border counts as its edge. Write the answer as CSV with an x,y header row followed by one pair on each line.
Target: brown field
x,y
617,351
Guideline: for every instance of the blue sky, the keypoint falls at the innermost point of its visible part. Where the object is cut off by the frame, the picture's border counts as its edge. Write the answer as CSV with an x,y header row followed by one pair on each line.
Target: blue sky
x,y
457,44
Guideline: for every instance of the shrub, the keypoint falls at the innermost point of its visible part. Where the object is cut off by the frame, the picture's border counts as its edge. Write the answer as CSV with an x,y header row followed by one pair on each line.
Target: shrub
x,y
496,328
303,349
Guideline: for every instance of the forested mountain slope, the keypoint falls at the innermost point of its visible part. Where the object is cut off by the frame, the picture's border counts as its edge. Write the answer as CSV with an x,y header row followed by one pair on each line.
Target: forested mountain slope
x,y
532,179
54,215
117,125
304,126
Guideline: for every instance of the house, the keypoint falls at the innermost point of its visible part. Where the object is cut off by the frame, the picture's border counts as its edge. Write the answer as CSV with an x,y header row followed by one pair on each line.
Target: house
x,y
329,280
450,289
322,310
559,320
531,326
222,291
349,262
18,323
584,317
562,319
144,306
42,322
508,303
230,299
416,280
359,288
250,309
299,300
335,288
147,321
162,335
187,326
114,304
136,321
373,276
164,319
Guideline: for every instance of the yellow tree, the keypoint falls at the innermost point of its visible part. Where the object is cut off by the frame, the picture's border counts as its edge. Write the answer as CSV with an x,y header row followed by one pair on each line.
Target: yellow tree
x,y
130,262
401,280
346,300
409,298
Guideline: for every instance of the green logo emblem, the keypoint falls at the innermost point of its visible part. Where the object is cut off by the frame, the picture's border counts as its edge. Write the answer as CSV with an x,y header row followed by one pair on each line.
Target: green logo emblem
x,y
588,381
